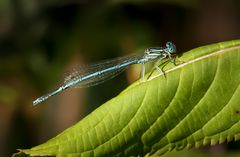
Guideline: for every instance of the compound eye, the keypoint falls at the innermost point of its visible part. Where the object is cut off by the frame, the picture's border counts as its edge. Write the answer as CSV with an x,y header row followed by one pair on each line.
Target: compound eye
x,y
171,47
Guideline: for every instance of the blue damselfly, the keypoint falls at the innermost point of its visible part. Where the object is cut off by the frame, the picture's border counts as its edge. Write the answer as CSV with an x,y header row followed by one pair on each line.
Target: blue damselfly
x,y
100,72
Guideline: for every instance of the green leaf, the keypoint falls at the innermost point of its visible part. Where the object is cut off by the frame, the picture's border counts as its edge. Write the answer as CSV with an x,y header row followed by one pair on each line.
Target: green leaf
x,y
196,104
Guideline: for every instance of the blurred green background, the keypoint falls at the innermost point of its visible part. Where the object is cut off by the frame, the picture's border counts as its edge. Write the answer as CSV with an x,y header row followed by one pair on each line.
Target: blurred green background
x,y
41,40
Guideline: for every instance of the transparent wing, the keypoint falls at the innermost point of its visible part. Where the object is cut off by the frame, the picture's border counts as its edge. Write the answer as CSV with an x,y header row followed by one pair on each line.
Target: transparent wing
x,y
101,71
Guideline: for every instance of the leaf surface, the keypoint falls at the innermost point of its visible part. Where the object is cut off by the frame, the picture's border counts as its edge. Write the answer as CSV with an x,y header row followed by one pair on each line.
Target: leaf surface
x,y
198,103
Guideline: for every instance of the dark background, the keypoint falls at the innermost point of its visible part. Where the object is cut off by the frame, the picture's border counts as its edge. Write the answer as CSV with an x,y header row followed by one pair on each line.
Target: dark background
x,y
41,40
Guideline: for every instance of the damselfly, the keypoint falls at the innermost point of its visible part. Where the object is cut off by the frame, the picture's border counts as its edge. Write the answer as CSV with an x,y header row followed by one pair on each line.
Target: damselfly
x,y
100,72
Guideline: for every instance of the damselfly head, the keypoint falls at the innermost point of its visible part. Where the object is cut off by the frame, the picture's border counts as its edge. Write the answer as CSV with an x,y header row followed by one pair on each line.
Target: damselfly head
x,y
170,47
